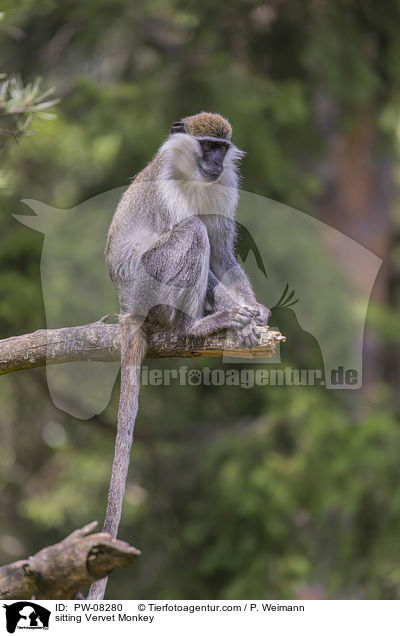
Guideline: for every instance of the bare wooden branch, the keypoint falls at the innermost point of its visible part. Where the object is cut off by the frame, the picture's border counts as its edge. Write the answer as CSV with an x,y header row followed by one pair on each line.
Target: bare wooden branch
x,y
61,570
101,342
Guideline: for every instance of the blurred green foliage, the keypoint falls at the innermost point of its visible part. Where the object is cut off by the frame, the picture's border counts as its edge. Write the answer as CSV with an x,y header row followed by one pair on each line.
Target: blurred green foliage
x,y
19,104
233,493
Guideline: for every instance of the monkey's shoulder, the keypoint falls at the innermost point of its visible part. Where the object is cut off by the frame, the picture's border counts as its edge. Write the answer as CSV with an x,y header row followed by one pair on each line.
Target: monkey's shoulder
x,y
150,172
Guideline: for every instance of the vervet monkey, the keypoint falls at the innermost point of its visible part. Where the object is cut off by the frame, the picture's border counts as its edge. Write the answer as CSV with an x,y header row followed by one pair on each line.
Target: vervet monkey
x,y
170,255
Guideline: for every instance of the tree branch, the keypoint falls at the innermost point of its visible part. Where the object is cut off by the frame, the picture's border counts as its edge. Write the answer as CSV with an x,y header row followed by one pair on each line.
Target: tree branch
x,y
101,342
61,570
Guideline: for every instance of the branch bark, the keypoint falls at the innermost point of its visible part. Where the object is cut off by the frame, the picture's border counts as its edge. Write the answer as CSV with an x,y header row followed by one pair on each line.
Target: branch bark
x,y
101,342
61,570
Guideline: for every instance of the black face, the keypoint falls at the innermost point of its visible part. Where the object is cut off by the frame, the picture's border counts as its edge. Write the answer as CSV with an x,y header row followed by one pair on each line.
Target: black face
x,y
213,152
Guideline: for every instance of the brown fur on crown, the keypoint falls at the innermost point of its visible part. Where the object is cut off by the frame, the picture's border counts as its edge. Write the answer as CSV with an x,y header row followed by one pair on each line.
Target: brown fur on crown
x,y
208,125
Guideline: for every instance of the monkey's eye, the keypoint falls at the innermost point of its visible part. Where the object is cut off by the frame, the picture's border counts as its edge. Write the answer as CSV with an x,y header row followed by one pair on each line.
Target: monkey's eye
x,y
224,149
207,145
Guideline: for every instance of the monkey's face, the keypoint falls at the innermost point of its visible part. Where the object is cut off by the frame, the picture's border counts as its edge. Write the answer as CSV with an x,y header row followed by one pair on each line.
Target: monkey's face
x,y
211,157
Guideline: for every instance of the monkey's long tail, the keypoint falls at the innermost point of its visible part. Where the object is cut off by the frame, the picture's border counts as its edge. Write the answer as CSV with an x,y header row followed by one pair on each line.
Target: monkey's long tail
x,y
133,350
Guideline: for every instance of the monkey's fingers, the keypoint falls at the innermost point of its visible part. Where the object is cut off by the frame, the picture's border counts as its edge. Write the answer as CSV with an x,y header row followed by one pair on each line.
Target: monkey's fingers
x,y
254,336
262,317
250,336
245,314
240,321
260,322
240,318
245,341
249,311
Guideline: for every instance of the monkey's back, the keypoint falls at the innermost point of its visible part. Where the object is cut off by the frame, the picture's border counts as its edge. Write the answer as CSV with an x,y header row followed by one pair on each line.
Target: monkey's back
x,y
139,220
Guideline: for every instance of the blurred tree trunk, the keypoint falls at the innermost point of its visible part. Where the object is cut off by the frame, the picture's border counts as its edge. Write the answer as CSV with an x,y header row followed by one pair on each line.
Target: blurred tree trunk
x,y
357,194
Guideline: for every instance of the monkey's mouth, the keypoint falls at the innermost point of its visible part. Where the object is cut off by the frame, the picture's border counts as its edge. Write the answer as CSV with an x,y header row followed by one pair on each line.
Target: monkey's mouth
x,y
211,175
212,178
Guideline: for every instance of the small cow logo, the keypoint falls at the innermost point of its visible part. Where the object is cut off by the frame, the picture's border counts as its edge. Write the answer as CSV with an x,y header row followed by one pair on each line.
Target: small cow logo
x,y
26,615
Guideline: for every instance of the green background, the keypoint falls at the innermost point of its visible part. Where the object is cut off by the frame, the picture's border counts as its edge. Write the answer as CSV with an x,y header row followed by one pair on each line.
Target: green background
x,y
234,493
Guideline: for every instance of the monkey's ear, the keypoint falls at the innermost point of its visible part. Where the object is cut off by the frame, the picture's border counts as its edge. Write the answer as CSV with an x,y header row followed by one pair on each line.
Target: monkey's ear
x,y
177,127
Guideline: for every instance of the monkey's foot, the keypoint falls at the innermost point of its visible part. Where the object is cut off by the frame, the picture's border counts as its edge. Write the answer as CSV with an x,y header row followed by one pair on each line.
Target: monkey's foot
x,y
249,335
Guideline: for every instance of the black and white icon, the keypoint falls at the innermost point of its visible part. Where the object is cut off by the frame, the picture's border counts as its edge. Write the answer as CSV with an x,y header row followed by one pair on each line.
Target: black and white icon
x,y
26,615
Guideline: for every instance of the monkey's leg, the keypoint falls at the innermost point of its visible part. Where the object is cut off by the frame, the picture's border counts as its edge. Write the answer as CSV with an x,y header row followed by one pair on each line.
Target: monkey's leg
x,y
225,313
179,263
176,271
220,298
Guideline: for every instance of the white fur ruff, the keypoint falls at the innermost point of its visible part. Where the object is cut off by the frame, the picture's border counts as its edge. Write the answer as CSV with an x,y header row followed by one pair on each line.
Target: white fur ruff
x,y
182,186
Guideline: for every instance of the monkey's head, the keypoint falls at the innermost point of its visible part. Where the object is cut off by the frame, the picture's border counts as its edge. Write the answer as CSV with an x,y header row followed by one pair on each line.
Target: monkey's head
x,y
209,136
204,125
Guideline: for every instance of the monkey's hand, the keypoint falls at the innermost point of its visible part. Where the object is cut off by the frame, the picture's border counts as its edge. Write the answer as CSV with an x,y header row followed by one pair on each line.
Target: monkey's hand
x,y
242,320
262,315
242,315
